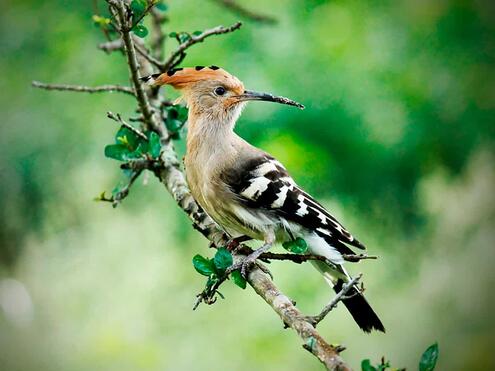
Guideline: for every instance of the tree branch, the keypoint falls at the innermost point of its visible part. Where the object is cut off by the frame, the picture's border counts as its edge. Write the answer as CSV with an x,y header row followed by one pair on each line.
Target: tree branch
x,y
110,46
130,52
141,49
84,89
234,7
172,59
301,258
314,320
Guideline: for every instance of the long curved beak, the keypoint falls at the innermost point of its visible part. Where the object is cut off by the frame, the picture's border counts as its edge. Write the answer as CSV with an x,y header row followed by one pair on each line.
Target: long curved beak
x,y
252,95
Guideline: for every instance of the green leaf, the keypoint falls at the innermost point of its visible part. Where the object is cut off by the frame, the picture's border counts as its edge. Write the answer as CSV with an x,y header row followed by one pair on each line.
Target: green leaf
x,y
140,31
429,358
238,279
173,125
117,152
172,35
126,137
203,265
197,33
182,113
138,7
154,146
142,148
223,259
161,6
297,246
366,365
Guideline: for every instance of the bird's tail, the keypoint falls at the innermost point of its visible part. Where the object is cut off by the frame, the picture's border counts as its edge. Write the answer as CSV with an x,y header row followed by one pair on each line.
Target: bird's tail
x,y
356,304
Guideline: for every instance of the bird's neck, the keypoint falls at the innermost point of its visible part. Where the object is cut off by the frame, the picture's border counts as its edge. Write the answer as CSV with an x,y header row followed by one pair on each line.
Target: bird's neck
x,y
211,143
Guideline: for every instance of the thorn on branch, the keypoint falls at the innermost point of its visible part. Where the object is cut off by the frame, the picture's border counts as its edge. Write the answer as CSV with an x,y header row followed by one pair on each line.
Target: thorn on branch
x,y
84,89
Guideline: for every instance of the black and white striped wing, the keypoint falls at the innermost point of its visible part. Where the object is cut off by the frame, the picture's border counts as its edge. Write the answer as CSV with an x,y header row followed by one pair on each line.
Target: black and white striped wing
x,y
263,183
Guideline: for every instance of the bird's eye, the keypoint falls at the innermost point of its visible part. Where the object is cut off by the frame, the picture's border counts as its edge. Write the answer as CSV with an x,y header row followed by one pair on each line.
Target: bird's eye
x,y
220,90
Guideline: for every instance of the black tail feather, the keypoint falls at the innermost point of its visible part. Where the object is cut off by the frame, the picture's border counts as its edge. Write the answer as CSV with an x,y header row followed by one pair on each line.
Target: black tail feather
x,y
361,311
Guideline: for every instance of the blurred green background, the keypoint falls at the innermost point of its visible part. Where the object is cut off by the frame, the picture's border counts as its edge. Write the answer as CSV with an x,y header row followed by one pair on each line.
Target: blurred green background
x,y
397,140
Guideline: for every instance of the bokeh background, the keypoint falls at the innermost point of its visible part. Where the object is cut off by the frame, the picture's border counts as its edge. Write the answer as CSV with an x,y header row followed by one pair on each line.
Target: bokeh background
x,y
397,140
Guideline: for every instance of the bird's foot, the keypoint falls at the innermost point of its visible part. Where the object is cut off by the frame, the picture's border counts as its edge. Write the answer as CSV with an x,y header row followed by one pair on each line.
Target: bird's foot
x,y
247,263
234,243
249,260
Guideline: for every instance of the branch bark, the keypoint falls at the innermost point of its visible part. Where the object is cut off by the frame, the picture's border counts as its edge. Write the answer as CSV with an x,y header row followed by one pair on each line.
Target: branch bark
x,y
84,89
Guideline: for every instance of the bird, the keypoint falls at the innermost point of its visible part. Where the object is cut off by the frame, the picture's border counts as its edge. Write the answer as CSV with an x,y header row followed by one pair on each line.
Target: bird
x,y
246,191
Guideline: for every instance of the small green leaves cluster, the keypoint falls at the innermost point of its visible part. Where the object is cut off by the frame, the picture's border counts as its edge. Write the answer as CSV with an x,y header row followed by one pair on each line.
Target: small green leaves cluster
x,y
175,120
215,269
296,246
427,362
182,37
129,146
139,7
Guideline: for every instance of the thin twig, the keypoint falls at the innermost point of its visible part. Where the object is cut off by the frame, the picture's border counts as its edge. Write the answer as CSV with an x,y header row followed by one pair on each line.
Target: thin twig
x,y
234,7
111,46
172,59
141,49
145,13
341,295
118,118
123,192
84,89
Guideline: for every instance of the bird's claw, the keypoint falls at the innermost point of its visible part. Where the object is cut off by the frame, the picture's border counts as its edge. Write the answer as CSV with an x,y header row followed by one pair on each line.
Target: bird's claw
x,y
247,262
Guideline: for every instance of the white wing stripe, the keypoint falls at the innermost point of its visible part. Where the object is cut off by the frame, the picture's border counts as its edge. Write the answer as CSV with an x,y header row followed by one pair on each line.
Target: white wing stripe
x,y
264,168
324,231
303,208
281,196
257,187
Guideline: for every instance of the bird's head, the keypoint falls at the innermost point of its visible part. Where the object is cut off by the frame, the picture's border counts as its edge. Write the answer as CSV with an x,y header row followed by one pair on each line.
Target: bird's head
x,y
212,91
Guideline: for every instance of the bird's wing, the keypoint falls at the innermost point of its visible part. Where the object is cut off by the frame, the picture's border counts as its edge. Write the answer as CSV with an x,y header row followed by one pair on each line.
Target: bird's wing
x,y
263,183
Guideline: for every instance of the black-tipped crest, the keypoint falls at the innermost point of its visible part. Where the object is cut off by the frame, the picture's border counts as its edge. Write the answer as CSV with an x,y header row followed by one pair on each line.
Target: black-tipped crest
x,y
149,77
173,71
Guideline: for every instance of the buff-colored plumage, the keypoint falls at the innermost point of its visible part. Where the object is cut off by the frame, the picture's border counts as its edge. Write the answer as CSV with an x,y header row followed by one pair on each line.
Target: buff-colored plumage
x,y
248,192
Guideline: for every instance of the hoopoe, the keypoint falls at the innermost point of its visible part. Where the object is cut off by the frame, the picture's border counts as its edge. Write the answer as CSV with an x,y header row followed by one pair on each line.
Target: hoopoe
x,y
246,191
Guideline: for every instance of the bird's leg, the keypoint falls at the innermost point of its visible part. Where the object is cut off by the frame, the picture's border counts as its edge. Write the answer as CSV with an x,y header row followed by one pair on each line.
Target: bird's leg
x,y
234,243
251,258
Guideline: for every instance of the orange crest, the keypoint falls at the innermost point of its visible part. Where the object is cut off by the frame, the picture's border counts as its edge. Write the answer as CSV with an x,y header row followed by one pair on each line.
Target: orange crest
x,y
182,77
